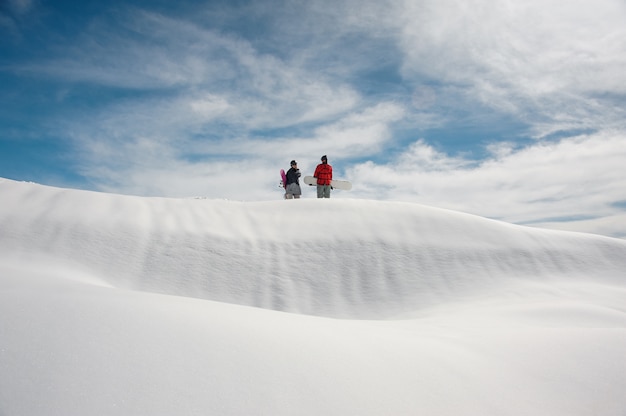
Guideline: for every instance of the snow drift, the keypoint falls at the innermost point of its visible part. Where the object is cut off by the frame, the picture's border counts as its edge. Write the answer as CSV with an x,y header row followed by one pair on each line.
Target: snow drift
x,y
116,304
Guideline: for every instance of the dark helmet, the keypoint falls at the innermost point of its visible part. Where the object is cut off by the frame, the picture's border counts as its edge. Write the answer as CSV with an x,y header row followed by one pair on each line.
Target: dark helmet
x,y
293,162
324,158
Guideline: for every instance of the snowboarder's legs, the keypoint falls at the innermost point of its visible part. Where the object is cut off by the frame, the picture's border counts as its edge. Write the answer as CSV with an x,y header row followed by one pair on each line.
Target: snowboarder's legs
x,y
323,191
293,191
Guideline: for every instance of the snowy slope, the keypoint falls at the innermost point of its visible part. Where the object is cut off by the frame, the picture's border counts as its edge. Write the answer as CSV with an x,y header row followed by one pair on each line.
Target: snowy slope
x,y
115,304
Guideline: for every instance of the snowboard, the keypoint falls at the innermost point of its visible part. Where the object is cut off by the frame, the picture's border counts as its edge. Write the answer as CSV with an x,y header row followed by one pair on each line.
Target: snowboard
x,y
344,185
283,177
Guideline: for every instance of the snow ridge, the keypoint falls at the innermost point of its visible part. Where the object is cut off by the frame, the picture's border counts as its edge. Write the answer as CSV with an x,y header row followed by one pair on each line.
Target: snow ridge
x,y
334,258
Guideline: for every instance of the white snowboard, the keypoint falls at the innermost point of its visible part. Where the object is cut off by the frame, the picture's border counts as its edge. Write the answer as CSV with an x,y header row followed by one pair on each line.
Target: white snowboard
x,y
344,185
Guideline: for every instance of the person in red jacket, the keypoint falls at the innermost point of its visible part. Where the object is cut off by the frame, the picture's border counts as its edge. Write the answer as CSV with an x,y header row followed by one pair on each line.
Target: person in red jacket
x,y
323,174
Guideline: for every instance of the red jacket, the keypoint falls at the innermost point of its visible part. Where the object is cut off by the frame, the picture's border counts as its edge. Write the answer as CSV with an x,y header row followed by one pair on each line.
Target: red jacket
x,y
324,174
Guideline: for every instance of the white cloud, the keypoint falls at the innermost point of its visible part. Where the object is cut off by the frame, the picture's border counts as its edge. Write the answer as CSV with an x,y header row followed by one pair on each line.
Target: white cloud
x,y
140,153
204,66
573,179
209,106
536,59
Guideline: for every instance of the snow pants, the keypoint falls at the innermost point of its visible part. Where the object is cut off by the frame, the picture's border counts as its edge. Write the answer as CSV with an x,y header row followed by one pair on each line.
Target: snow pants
x,y
323,191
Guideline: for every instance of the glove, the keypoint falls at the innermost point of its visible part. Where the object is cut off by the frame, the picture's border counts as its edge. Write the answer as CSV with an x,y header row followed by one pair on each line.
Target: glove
x,y
332,187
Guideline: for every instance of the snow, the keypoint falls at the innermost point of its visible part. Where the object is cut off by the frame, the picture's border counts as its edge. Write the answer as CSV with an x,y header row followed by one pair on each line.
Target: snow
x,y
113,304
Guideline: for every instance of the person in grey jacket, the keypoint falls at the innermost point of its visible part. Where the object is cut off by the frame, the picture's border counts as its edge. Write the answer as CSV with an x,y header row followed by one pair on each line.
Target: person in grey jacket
x,y
292,189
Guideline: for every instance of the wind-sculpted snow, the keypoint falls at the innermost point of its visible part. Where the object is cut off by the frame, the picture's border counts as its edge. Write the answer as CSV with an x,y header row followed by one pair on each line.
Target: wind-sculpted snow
x,y
120,305
336,258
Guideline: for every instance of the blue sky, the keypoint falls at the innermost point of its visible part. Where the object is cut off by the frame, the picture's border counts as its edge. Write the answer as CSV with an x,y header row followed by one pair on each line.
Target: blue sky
x,y
509,110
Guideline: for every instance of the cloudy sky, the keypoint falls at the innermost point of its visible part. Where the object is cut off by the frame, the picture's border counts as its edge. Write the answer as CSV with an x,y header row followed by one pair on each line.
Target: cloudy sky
x,y
506,109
